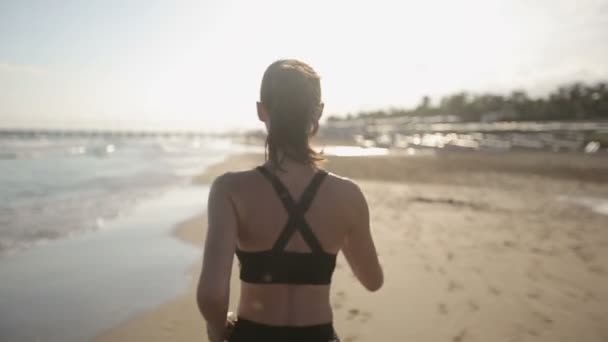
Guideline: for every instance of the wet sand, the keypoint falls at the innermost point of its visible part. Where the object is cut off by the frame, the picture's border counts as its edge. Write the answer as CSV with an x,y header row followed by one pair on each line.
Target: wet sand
x,y
474,248
69,290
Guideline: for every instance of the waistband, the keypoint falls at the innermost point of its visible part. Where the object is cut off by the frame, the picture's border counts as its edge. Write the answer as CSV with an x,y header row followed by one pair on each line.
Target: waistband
x,y
246,330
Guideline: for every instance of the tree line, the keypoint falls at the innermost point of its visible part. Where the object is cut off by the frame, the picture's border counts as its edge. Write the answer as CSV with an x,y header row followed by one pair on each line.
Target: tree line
x,y
576,101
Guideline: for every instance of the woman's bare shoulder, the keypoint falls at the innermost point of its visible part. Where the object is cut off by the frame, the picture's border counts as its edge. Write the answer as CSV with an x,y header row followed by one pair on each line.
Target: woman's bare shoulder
x,y
231,180
345,187
348,199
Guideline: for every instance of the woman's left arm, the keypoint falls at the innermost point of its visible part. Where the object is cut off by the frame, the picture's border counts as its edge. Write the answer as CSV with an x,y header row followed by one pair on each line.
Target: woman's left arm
x,y
214,283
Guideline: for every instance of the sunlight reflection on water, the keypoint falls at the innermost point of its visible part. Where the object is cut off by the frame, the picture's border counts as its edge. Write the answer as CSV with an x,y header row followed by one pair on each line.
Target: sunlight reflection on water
x,y
351,151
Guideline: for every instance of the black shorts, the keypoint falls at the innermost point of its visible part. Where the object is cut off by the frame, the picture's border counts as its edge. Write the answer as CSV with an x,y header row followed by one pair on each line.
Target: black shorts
x,y
248,331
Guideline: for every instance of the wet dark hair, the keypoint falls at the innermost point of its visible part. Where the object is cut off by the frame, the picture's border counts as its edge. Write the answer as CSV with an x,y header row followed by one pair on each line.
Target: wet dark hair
x,y
291,95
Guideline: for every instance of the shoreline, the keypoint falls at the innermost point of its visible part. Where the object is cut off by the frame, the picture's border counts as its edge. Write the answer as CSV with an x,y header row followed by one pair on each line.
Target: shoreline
x,y
481,263
190,231
73,289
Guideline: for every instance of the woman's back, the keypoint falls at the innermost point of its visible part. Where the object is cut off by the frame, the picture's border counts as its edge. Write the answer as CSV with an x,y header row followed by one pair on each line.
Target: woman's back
x,y
261,219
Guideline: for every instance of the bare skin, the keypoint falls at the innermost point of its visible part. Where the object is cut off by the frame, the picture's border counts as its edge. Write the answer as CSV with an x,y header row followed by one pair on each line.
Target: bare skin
x,y
244,211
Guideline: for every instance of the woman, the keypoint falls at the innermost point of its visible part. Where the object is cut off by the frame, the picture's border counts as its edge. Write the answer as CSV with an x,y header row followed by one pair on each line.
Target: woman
x,y
286,221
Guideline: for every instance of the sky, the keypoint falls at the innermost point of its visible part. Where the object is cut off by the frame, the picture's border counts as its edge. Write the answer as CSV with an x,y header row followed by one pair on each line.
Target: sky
x,y
186,64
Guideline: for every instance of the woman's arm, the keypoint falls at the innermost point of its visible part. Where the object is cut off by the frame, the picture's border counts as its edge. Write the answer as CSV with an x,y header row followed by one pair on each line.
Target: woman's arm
x,y
214,283
359,249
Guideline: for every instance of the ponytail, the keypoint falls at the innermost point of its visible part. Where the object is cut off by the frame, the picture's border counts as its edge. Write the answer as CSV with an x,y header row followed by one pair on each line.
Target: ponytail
x,y
291,95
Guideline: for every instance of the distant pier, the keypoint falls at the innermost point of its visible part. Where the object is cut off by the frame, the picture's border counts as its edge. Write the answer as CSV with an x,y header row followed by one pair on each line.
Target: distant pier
x,y
91,133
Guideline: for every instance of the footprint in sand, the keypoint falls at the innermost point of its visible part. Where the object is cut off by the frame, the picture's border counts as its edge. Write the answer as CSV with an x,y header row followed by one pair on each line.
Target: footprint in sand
x,y
350,338
508,243
461,336
597,269
356,313
339,299
493,290
544,318
352,314
454,286
583,254
441,270
472,305
365,316
534,294
442,308
450,256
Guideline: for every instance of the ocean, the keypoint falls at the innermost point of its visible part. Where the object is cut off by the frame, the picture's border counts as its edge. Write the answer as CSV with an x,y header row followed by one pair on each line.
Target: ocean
x,y
57,187
85,230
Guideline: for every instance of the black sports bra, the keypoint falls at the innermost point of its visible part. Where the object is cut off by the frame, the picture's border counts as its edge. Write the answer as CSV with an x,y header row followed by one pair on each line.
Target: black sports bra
x,y
277,266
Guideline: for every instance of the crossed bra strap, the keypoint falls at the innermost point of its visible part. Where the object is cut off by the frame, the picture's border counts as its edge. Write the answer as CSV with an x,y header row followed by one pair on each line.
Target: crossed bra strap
x,y
296,211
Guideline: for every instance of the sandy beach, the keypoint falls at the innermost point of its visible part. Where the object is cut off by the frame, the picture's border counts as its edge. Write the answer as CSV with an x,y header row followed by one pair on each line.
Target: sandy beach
x,y
475,247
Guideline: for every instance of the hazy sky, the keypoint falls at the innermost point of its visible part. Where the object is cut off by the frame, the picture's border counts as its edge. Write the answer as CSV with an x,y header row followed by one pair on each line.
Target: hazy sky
x,y
198,64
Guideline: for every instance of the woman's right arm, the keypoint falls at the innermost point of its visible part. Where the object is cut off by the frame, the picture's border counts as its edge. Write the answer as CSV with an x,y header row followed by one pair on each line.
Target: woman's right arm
x,y
359,248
